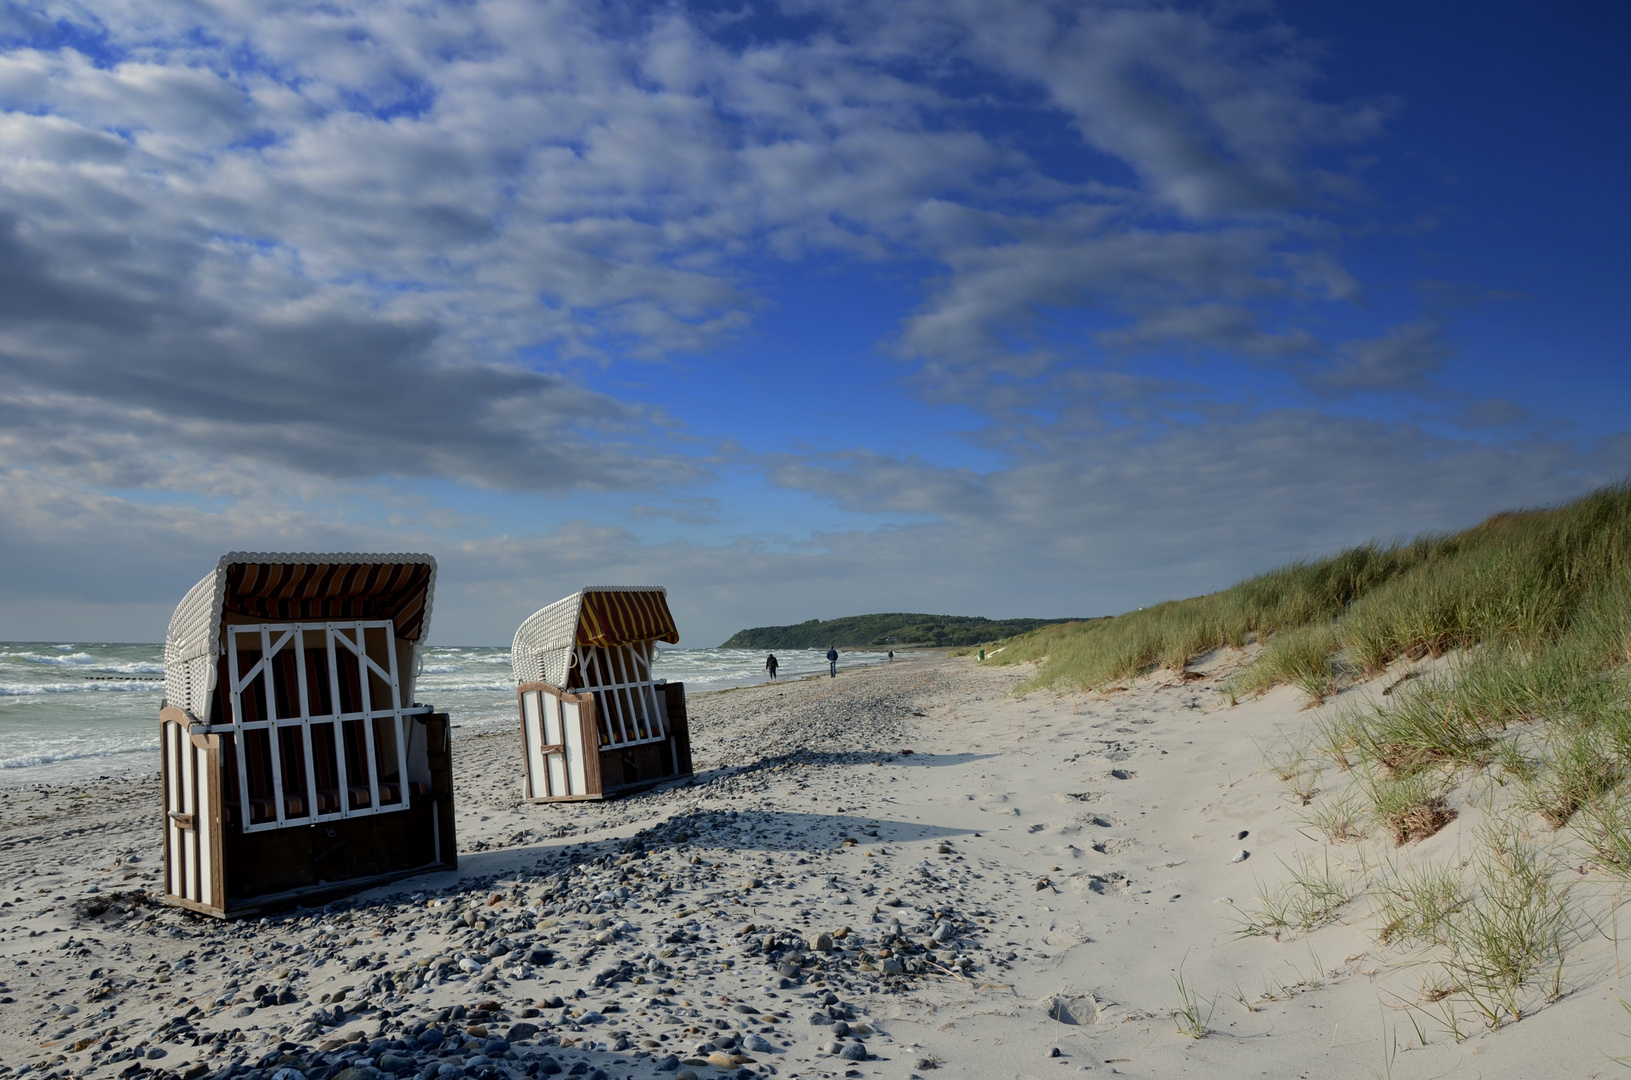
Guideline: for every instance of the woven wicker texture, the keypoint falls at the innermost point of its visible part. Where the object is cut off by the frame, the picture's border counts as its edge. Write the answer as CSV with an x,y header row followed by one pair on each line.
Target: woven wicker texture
x,y
611,615
284,587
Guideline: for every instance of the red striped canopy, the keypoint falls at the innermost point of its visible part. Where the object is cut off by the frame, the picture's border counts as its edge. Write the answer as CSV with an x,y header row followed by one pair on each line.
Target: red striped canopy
x,y
615,617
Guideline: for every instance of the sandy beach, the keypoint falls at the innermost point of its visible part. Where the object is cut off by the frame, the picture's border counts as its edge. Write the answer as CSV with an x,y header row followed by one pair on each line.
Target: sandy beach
x,y
902,870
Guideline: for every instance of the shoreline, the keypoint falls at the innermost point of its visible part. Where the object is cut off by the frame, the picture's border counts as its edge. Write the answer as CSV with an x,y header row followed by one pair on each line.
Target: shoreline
x,y
140,761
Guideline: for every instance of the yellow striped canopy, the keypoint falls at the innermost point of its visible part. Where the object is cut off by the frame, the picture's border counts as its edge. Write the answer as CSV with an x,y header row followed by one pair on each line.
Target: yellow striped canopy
x,y
614,617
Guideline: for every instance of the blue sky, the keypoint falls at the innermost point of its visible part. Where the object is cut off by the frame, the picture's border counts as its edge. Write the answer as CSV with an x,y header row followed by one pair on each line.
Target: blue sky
x,y
800,309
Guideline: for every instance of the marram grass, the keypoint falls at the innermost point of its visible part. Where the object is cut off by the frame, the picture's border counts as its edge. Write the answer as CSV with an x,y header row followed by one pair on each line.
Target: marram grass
x,y
1533,609
1524,580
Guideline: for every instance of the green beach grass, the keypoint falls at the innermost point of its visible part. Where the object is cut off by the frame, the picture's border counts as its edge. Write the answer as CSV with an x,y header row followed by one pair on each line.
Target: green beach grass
x,y
1551,585
1530,711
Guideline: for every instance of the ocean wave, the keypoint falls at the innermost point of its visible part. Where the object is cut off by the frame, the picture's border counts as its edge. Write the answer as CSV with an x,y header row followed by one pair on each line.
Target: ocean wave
x,y
441,669
429,686
29,761
464,656
78,659
85,661
117,686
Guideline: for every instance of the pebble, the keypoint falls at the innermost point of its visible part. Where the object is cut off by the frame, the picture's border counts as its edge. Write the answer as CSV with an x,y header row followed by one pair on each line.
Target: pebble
x,y
635,934
1241,856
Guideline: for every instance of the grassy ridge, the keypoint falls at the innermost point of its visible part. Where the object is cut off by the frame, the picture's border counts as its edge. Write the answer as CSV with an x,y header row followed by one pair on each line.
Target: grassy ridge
x,y
1522,579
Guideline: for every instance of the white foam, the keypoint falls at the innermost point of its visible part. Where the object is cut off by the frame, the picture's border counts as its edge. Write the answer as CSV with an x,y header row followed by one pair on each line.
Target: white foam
x,y
115,686
29,761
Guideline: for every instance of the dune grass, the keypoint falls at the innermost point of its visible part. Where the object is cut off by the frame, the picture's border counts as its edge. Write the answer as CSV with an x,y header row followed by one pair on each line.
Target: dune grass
x,y
1535,606
1523,579
1532,611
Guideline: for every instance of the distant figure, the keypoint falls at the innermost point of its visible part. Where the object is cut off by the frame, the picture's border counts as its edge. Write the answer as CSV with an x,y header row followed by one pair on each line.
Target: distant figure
x,y
832,661
891,654
771,665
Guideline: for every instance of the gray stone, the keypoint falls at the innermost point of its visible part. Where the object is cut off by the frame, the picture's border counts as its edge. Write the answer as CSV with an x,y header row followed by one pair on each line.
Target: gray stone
x,y
840,1028
821,943
431,1038
521,1031
892,966
548,1065
394,1062
758,1044
855,1051
494,1048
669,1063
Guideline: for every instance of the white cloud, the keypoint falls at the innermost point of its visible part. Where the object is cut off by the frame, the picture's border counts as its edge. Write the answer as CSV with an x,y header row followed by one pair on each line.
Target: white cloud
x,y
256,257
454,183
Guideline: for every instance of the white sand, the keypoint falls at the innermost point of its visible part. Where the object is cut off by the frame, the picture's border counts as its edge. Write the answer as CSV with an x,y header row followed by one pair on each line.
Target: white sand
x,y
1088,841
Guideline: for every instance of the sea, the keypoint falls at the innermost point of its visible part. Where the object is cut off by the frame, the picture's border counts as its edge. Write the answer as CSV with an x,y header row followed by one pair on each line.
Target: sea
x,y
77,711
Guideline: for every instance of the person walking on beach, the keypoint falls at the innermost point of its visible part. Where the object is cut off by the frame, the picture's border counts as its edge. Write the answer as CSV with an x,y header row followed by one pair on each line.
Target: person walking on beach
x,y
832,661
771,665
891,654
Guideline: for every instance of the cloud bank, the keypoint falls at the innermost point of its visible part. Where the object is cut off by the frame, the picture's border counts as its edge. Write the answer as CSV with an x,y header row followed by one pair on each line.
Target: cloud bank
x,y
285,275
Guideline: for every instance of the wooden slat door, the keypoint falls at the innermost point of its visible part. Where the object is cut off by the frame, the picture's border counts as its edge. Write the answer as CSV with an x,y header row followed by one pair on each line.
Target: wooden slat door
x,y
559,743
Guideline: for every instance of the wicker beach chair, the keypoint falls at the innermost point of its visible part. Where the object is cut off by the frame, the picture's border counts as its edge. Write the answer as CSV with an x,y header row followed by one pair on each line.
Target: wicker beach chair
x,y
296,764
594,722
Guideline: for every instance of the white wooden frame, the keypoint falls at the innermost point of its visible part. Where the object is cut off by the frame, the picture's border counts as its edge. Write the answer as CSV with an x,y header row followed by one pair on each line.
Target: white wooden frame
x,y
272,639
625,693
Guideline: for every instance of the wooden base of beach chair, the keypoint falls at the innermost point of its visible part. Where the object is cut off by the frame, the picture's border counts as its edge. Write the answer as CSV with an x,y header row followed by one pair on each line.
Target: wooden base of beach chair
x,y
553,748
215,867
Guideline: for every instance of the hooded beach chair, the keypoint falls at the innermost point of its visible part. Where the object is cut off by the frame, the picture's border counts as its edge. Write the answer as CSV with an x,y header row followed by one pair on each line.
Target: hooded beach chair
x,y
296,765
594,723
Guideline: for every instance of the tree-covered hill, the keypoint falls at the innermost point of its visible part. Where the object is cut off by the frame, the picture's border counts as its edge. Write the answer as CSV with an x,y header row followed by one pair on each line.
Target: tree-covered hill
x,y
860,631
